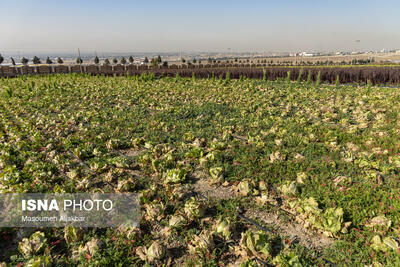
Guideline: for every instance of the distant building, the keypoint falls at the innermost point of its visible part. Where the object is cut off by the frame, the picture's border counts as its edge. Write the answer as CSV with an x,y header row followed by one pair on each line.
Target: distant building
x,y
398,52
305,54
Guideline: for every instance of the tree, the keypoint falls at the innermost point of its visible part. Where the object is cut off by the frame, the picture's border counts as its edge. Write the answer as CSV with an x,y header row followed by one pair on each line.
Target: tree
x,y
131,59
123,61
194,61
12,61
209,60
49,61
59,60
183,60
36,60
24,60
154,62
79,60
159,59
96,60
165,64
1,59
106,62
146,60
115,60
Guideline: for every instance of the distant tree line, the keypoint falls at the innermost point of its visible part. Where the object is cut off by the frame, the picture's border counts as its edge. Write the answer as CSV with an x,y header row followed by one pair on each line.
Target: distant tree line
x,y
36,60
157,61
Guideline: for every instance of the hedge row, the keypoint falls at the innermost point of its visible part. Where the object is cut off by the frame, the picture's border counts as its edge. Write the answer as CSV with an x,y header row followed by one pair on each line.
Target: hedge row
x,y
376,75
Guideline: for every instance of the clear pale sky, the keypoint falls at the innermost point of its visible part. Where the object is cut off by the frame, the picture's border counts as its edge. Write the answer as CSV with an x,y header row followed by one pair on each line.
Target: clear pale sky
x,y
174,25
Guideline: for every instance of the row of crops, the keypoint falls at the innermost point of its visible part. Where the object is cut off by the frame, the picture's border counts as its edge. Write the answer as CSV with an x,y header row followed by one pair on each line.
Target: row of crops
x,y
332,75
229,172
382,75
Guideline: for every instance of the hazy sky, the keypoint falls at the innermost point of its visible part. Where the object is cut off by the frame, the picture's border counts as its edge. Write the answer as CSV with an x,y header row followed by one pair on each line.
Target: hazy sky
x,y
174,25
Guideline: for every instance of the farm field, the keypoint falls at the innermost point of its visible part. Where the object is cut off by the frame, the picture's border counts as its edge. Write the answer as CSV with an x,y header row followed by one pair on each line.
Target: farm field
x,y
230,172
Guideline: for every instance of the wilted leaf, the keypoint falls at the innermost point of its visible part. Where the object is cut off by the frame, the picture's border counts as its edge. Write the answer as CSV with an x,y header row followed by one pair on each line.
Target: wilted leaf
x,y
380,220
